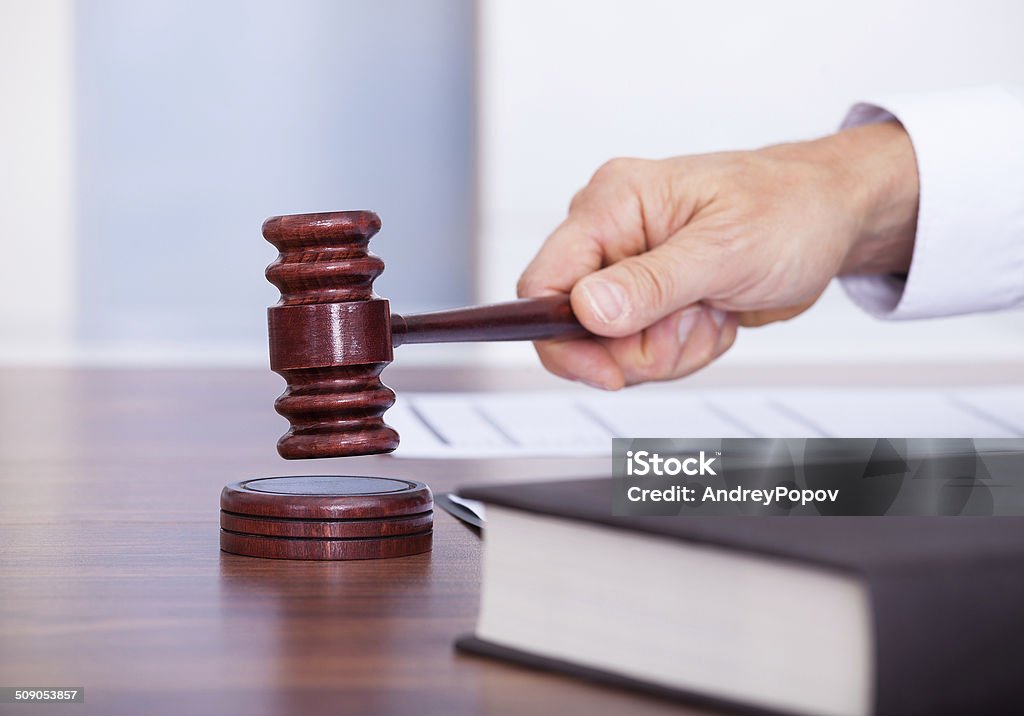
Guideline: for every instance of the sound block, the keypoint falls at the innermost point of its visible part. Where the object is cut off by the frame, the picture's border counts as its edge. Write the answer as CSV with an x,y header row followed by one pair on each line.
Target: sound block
x,y
326,517
324,549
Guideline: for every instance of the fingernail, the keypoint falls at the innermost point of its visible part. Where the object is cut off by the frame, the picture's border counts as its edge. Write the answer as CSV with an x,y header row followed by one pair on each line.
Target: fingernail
x,y
686,320
592,384
718,316
606,299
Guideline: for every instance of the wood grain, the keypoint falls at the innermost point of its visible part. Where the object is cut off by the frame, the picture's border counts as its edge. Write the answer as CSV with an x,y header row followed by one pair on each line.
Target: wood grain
x,y
330,517
336,529
331,336
111,576
265,547
326,497
528,319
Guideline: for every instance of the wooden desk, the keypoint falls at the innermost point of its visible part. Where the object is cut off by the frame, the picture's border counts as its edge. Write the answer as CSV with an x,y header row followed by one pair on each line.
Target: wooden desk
x,y
111,577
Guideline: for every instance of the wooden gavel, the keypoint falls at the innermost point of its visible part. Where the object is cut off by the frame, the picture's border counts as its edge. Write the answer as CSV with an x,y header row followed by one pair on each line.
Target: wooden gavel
x,y
331,336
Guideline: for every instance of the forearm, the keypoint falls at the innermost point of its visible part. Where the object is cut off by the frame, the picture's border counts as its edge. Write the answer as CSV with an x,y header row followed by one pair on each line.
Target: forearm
x,y
883,177
870,189
968,248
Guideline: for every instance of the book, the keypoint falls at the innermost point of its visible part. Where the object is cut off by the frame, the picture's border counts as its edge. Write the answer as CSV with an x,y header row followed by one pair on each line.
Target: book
x,y
833,616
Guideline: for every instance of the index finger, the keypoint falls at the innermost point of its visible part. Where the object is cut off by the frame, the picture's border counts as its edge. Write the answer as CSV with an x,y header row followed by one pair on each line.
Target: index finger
x,y
570,253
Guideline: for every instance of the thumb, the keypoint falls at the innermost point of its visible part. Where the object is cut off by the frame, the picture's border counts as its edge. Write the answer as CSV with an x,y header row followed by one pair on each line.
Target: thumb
x,y
632,294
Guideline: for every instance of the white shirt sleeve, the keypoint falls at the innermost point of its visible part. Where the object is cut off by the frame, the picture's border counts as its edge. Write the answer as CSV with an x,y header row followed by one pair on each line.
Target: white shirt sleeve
x,y
969,249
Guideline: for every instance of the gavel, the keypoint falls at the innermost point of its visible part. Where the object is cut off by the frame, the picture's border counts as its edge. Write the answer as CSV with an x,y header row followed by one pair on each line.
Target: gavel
x,y
331,336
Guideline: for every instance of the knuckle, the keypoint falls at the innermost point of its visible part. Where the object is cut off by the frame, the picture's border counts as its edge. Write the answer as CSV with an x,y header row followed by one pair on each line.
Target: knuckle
x,y
727,340
614,169
647,366
652,284
707,354
523,286
655,368
577,200
549,360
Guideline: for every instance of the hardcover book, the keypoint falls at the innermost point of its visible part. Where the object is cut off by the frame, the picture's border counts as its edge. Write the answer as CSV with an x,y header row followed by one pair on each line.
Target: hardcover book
x,y
837,616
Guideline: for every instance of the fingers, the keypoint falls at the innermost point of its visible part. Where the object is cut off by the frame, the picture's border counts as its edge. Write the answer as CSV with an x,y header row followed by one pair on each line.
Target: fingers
x,y
571,252
675,346
632,283
605,223
584,359
634,293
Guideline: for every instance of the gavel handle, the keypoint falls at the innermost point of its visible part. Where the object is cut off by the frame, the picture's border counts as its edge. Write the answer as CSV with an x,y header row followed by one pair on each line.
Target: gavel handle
x,y
529,319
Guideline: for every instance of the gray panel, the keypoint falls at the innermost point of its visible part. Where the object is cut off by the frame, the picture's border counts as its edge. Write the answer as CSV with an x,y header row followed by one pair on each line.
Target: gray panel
x,y
199,119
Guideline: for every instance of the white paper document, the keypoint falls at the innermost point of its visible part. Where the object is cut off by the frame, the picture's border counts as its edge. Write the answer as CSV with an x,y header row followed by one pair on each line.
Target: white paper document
x,y
582,423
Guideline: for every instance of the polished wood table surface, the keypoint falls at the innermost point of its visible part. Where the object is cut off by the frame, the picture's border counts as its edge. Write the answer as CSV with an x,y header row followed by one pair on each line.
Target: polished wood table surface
x,y
111,577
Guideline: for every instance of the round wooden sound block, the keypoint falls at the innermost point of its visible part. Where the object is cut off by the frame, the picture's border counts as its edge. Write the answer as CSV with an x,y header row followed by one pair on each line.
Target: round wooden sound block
x,y
326,517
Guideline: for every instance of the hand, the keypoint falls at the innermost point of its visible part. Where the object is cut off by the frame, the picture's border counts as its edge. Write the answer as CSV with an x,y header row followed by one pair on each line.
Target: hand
x,y
665,259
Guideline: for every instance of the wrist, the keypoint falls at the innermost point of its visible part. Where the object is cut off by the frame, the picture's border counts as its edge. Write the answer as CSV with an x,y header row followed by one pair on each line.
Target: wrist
x,y
878,178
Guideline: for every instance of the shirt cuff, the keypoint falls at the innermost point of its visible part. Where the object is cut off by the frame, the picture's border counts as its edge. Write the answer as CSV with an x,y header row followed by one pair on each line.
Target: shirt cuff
x,y
969,249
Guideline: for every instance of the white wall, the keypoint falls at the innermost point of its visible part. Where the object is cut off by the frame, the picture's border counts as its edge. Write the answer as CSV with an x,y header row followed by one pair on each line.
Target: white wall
x,y
567,84
36,167
563,85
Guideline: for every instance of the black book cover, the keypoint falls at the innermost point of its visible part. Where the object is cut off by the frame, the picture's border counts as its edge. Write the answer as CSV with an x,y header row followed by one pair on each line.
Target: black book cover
x,y
947,592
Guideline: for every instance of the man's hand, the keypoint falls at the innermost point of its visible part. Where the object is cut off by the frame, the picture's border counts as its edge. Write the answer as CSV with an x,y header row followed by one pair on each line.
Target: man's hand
x,y
665,259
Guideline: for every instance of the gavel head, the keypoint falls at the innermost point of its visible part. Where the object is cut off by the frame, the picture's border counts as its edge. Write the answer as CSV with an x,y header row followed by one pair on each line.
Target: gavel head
x,y
330,336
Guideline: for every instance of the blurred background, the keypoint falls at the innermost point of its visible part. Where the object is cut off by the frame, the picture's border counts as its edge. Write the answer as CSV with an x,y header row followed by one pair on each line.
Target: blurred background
x,y
143,142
